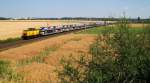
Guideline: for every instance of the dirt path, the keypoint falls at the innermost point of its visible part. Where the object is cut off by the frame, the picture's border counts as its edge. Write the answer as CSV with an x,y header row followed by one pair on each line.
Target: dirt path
x,y
69,44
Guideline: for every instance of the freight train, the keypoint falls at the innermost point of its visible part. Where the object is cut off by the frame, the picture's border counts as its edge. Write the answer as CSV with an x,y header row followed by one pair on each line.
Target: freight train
x,y
44,31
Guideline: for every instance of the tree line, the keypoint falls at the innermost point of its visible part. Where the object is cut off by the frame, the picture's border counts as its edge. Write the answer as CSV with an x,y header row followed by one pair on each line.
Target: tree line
x,y
135,20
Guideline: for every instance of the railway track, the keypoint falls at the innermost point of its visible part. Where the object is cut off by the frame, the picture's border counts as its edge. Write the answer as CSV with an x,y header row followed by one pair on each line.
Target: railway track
x,y
19,43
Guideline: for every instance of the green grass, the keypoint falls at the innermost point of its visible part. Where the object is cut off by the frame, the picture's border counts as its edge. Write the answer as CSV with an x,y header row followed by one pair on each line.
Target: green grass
x,y
7,73
39,58
99,30
96,30
9,40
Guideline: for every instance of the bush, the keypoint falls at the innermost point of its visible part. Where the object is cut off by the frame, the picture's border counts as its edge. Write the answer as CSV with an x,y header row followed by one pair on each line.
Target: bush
x,y
123,57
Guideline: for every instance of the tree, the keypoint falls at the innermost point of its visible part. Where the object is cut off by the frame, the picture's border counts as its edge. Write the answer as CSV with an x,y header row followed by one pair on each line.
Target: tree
x,y
139,19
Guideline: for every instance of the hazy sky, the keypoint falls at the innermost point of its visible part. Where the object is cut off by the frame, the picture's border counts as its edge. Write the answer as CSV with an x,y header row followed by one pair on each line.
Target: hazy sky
x,y
74,8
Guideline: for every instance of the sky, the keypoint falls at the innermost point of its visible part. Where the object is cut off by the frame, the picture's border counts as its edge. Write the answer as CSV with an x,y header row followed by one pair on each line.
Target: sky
x,y
74,8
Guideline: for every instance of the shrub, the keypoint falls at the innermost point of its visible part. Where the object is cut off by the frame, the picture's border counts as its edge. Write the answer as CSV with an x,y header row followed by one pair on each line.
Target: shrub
x,y
123,57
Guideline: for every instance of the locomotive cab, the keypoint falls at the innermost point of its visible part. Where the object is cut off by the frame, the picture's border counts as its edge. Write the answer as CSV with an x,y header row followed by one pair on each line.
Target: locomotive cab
x,y
30,33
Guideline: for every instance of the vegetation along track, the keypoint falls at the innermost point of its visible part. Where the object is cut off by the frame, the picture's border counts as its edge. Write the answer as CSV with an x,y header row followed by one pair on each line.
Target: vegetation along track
x,y
21,42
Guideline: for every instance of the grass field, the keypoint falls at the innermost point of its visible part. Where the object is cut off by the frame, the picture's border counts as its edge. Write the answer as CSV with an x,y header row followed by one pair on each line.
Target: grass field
x,y
37,61
13,29
98,30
